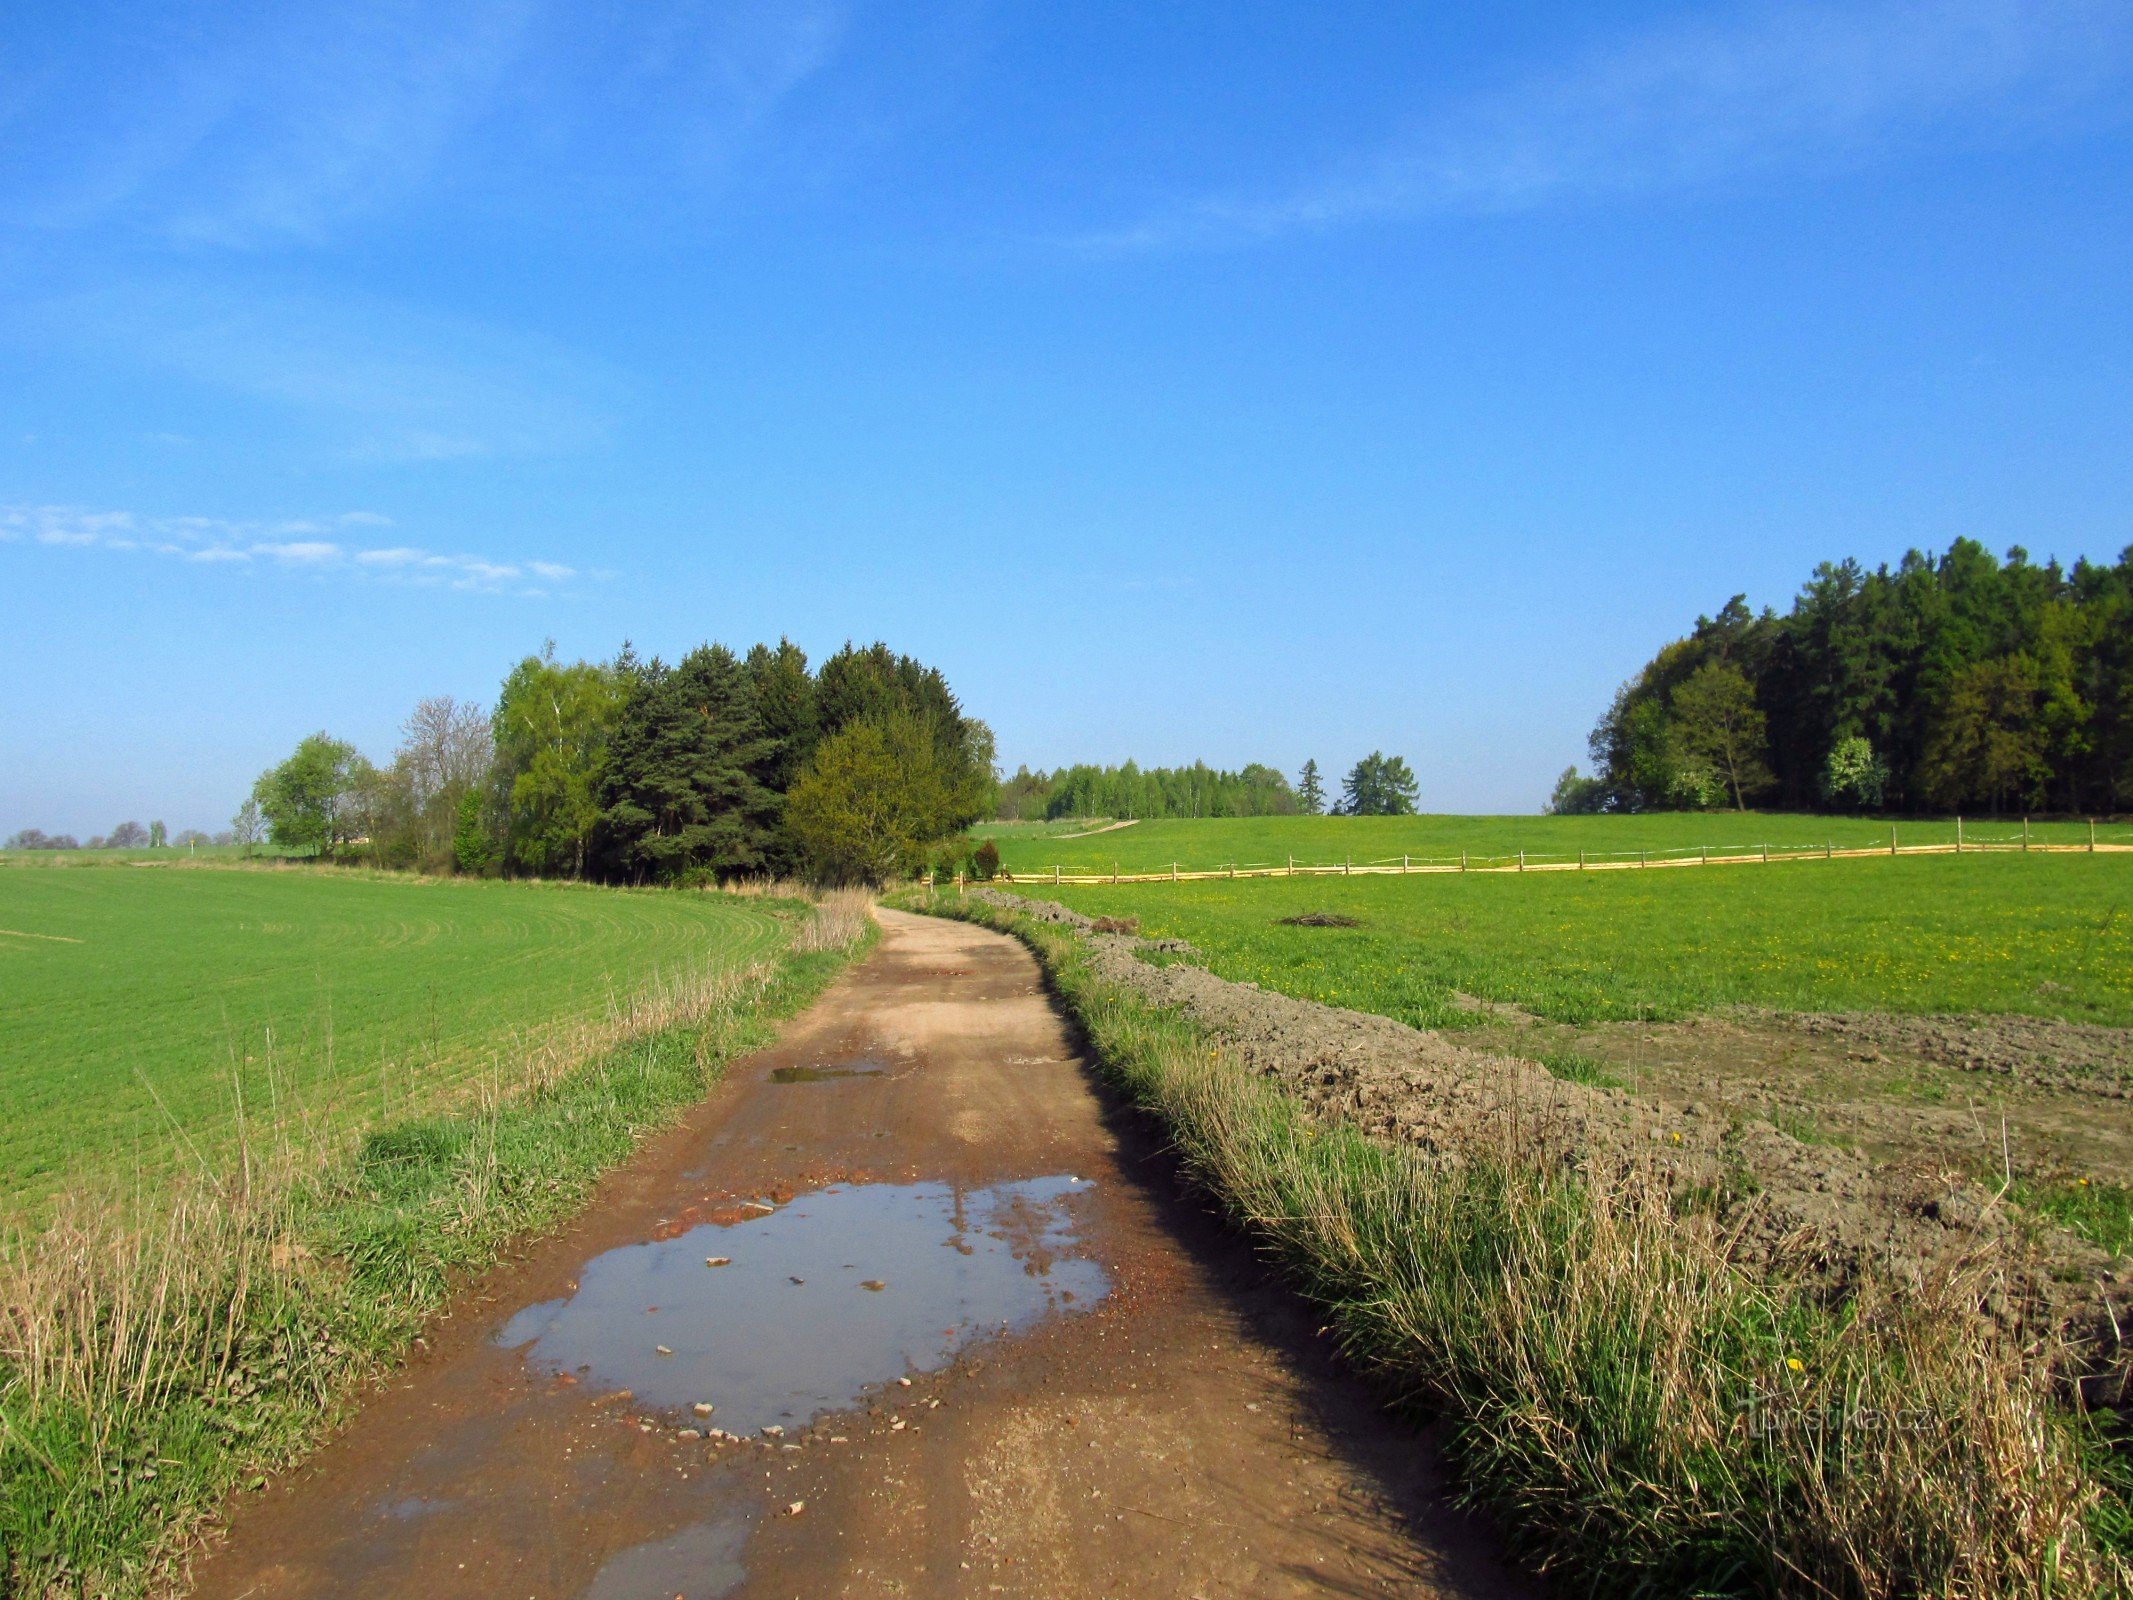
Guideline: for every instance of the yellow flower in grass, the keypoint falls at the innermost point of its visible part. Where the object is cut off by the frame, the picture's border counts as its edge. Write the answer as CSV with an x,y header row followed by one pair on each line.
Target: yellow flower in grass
x,y
1792,1364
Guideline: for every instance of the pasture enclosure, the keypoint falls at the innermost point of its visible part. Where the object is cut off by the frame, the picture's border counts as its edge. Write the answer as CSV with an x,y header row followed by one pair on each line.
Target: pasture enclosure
x,y
1282,846
2047,936
150,1009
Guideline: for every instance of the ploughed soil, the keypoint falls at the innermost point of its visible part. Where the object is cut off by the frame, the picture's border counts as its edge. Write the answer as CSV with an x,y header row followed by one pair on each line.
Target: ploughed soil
x,y
1979,1095
1830,1146
904,1307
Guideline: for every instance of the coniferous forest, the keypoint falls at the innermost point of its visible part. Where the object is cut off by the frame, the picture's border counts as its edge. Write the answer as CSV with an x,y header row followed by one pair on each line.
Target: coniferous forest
x,y
1951,683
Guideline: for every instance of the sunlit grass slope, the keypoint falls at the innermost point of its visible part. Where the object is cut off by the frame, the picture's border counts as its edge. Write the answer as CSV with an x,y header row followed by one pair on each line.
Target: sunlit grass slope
x,y
1271,841
136,1003
2040,935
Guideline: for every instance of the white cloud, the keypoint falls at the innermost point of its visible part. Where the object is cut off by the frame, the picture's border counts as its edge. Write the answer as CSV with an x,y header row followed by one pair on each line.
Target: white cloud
x,y
1773,85
309,553
215,540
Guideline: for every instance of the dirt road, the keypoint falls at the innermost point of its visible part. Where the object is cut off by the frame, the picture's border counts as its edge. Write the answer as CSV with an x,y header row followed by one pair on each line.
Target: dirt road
x,y
964,1336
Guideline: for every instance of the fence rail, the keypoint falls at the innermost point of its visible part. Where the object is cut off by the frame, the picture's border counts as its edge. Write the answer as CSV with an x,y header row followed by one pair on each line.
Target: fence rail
x,y
1579,861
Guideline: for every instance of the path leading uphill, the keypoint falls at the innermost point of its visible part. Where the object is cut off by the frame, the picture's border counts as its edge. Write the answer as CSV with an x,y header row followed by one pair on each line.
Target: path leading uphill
x,y
944,1297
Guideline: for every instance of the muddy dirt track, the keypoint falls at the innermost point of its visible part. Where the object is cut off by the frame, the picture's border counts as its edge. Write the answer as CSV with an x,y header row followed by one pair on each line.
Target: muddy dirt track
x,y
957,1333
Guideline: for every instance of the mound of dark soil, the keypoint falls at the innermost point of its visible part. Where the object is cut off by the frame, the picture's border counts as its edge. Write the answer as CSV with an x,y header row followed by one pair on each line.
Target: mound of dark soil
x,y
1319,919
1125,925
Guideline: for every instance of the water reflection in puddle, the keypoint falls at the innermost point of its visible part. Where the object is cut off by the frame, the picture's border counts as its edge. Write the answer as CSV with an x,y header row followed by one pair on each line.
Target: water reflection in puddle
x,y
699,1563
821,1074
841,1290
828,1072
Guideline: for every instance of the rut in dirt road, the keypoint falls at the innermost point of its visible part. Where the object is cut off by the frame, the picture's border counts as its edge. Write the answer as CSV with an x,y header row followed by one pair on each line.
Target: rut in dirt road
x,y
903,1308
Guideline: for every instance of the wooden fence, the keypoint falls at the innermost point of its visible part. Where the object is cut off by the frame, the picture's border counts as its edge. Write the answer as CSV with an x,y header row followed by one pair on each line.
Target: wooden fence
x,y
1581,861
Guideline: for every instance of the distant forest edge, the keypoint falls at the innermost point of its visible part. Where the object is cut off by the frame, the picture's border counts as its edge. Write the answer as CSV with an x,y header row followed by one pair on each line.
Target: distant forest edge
x,y
715,767
1957,683
1377,785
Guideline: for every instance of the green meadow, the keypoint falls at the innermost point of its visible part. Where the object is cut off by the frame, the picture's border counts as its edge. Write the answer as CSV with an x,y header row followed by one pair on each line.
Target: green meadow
x,y
2044,935
143,1009
1214,842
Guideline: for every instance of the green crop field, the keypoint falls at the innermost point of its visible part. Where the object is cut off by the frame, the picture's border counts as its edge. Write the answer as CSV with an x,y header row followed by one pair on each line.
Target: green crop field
x,y
2046,935
136,1002
1206,843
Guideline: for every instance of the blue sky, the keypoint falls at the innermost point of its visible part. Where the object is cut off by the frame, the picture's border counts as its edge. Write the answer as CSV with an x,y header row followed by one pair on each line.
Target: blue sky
x,y
1206,380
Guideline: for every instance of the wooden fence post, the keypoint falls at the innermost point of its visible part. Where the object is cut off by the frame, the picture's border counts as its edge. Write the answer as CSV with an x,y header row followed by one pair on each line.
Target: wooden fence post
x,y
2025,836
1173,872
2092,836
1403,866
1581,860
1348,866
1462,861
1892,838
1055,874
1292,866
1707,855
1766,852
959,886
1829,849
1644,858
1521,861
1114,872
1958,833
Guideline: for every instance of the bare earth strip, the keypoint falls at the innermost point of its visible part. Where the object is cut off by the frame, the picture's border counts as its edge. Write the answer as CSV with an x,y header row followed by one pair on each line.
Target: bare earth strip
x,y
1104,1395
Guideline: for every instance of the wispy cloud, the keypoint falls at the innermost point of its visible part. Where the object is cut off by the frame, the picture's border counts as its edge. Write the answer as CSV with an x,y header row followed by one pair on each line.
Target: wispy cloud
x,y
1772,86
370,379
295,544
255,127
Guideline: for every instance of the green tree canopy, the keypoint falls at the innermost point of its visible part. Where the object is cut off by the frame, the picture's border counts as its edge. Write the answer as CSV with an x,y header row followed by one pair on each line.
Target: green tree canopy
x,y
313,800
681,787
874,800
1379,786
1310,789
551,726
1973,682
1718,725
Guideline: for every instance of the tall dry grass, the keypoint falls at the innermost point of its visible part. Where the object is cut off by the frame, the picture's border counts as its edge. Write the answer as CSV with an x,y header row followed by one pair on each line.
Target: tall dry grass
x,y
1644,1416
160,1342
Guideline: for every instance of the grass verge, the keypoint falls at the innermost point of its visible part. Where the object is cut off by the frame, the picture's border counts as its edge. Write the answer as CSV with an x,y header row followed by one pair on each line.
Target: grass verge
x,y
1641,1416
161,1352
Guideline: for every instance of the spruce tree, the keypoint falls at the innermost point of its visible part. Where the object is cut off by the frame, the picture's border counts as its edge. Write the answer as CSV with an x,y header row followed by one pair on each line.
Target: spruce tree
x,y
1310,792
682,790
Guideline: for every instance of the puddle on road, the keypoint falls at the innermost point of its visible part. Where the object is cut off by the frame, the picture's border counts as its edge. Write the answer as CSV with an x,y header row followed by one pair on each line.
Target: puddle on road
x,y
867,1066
841,1290
698,1563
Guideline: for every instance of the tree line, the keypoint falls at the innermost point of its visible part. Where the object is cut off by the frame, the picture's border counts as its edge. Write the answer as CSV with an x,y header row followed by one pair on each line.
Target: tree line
x,y
1950,683
126,836
635,770
1378,785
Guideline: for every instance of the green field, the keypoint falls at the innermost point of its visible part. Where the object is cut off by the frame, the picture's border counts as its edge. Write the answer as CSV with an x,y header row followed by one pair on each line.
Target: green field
x,y
1207,843
2040,935
137,1001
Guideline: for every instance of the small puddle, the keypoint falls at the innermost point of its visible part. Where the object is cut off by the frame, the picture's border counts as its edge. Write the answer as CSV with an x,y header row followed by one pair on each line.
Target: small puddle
x,y
699,1563
867,1066
841,1290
